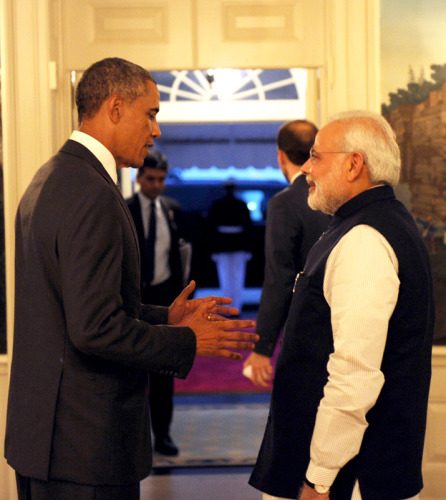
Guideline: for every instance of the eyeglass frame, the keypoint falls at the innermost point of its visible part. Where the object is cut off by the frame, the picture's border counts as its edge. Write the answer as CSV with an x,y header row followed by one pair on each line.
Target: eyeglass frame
x,y
312,151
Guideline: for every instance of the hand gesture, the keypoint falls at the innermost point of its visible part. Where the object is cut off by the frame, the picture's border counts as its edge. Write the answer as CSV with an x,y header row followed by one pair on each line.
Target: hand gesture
x,y
262,371
218,336
182,309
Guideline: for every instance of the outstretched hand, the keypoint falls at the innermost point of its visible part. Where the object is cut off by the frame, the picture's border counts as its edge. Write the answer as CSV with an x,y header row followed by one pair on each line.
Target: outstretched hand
x,y
182,309
217,336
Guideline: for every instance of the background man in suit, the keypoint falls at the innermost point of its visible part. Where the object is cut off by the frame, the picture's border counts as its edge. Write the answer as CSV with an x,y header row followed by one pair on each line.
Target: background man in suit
x,y
161,275
350,394
291,230
77,423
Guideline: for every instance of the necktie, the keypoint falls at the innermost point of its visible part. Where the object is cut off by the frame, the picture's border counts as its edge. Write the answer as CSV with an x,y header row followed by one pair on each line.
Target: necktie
x,y
150,245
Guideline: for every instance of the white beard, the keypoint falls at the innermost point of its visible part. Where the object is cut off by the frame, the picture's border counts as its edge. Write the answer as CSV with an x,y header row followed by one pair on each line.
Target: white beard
x,y
329,195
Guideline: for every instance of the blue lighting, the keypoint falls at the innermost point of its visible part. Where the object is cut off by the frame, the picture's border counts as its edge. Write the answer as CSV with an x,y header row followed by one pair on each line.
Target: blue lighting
x,y
213,173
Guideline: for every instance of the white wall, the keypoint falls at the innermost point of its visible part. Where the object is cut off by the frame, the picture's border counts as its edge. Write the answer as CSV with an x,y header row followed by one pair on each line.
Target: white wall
x,y
28,140
7,484
434,459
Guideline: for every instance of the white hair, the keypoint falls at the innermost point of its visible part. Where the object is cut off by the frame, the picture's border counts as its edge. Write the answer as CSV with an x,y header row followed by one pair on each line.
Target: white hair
x,y
371,135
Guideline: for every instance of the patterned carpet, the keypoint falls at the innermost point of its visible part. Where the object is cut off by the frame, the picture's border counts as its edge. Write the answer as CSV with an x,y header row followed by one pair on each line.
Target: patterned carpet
x,y
216,431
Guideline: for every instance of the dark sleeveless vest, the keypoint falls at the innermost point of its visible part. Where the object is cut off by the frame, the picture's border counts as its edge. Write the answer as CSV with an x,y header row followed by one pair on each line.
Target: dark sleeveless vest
x,y
388,465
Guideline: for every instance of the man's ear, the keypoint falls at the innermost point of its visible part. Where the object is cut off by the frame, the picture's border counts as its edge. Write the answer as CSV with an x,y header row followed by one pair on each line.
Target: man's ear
x,y
115,107
357,167
281,157
282,160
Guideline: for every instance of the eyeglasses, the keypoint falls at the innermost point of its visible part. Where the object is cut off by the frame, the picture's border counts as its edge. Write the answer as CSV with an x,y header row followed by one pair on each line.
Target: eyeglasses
x,y
314,155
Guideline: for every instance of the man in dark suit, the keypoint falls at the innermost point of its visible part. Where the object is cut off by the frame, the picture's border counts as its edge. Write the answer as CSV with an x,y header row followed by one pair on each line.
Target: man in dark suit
x,y
161,275
291,230
77,422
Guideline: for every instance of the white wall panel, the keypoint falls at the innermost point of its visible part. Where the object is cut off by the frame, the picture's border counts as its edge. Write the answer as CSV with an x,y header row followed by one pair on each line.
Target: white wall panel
x,y
156,34
434,460
350,74
260,33
7,482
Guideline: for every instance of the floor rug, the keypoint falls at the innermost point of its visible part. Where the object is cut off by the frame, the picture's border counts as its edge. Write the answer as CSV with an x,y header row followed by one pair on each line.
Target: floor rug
x,y
220,375
217,375
217,435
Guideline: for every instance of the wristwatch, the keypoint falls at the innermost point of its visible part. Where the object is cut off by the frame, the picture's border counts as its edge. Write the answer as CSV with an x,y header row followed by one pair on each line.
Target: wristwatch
x,y
318,488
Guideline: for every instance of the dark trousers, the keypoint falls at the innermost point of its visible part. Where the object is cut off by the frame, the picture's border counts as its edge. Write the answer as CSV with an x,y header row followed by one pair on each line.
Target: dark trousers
x,y
161,387
35,489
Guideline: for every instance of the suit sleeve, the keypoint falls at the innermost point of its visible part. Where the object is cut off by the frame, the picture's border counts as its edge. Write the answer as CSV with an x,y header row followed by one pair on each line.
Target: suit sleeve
x,y
93,279
154,315
282,247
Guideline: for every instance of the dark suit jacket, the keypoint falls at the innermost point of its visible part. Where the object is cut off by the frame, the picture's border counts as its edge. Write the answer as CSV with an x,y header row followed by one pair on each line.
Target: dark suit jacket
x,y
292,228
171,209
77,405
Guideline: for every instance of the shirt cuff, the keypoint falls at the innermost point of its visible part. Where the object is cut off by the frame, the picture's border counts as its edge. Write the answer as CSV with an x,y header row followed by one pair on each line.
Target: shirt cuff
x,y
320,475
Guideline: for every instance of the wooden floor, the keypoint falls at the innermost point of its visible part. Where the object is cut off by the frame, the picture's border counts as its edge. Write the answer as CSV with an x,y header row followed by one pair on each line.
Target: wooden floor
x,y
200,484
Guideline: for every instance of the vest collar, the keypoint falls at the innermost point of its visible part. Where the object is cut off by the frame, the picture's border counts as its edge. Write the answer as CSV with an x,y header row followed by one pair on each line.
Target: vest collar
x,y
361,200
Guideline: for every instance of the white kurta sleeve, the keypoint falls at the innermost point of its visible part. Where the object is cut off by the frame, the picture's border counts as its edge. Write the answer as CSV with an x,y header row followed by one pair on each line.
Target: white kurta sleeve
x,y
361,287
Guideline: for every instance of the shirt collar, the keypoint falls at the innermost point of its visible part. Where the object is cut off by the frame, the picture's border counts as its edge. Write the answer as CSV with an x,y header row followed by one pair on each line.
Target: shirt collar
x,y
295,176
146,201
99,150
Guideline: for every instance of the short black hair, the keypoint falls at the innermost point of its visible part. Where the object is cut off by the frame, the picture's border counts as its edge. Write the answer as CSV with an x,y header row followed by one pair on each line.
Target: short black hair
x,y
296,138
105,78
156,160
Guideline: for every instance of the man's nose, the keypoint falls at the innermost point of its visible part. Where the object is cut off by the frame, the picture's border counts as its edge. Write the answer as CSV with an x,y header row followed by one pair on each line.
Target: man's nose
x,y
306,167
156,132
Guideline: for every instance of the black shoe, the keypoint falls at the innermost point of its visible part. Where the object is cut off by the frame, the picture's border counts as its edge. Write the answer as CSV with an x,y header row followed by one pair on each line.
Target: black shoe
x,y
166,446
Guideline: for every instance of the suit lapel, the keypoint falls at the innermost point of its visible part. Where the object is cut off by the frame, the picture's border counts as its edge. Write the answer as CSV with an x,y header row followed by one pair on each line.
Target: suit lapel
x,y
169,214
129,219
75,148
166,213
136,212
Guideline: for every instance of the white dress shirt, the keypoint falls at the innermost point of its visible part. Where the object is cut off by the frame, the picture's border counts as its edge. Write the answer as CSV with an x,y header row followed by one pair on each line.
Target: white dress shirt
x,y
99,150
162,243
